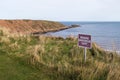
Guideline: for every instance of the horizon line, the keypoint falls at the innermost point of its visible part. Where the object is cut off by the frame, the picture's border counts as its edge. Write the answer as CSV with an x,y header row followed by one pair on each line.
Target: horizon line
x,y
63,20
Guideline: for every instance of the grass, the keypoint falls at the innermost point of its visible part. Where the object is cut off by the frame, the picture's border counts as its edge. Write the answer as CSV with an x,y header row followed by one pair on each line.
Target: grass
x,y
10,69
54,58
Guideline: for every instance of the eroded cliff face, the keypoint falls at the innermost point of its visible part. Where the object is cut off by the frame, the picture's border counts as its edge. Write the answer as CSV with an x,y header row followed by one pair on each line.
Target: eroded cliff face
x,y
30,26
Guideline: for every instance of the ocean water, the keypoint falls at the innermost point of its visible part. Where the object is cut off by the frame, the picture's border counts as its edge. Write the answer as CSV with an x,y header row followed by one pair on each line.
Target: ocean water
x,y
105,34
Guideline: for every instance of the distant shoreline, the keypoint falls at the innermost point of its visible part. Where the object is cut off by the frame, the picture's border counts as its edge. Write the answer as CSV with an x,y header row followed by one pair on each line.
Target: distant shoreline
x,y
67,27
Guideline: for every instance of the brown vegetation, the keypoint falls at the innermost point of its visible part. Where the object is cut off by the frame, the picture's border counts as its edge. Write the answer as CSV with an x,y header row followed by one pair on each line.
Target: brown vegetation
x,y
30,26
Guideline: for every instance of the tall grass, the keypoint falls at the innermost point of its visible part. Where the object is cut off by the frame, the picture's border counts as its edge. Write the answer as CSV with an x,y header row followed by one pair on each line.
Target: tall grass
x,y
61,58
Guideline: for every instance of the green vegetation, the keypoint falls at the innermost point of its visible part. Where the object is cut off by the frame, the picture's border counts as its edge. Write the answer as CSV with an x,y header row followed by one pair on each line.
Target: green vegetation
x,y
54,58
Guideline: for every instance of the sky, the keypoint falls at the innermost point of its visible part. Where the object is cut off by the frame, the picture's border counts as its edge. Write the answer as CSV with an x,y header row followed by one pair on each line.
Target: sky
x,y
61,10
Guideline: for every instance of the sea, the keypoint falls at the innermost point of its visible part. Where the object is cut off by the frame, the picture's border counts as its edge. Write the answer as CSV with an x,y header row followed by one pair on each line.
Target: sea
x,y
105,34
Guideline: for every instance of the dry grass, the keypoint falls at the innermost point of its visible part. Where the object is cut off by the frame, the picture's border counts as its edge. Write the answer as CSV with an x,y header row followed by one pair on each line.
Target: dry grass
x,y
4,31
63,58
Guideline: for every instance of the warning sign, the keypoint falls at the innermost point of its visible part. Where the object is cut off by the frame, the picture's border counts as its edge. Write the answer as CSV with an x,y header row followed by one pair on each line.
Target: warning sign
x,y
84,40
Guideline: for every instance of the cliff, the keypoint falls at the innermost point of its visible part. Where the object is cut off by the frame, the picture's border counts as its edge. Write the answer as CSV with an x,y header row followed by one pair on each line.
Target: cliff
x,y
30,26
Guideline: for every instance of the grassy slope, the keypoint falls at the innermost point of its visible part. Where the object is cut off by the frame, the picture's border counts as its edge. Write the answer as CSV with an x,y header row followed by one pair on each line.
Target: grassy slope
x,y
13,70
30,26
44,58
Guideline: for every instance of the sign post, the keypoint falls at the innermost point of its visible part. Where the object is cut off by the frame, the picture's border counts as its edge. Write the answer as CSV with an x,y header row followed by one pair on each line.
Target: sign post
x,y
85,54
85,42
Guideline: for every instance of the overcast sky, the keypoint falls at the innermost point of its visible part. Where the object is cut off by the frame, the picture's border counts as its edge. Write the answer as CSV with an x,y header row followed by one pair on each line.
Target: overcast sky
x,y
61,10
